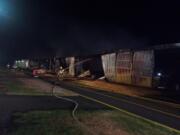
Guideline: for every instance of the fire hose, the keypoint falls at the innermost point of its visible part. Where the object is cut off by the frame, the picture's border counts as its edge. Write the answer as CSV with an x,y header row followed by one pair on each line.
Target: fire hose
x,y
76,104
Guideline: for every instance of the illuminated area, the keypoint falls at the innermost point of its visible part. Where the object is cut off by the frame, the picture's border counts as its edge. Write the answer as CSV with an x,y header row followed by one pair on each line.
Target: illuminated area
x,y
3,8
21,64
159,74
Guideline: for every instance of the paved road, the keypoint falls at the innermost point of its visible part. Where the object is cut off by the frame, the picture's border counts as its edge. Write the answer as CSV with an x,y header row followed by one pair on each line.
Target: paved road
x,y
165,114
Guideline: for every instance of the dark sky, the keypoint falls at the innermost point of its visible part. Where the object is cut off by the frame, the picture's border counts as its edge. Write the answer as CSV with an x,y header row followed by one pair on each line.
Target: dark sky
x,y
40,28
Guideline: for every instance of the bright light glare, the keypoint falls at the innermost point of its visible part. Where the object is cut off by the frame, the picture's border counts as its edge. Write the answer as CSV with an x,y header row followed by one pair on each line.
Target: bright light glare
x,y
4,8
159,74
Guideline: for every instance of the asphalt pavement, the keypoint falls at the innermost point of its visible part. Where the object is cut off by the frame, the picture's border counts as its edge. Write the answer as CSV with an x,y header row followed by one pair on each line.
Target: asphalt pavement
x,y
162,113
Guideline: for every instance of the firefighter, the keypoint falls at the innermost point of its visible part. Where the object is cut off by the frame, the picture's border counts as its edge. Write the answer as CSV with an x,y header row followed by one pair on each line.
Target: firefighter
x,y
60,73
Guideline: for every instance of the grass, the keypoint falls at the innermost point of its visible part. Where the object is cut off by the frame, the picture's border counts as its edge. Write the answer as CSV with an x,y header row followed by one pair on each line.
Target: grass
x,y
14,87
137,126
18,88
45,123
61,123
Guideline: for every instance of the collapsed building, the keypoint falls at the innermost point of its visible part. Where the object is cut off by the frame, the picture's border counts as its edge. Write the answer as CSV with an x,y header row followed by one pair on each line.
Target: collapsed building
x,y
81,66
156,67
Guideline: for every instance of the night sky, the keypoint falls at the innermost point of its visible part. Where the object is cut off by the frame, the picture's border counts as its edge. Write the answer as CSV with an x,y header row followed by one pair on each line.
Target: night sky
x,y
42,28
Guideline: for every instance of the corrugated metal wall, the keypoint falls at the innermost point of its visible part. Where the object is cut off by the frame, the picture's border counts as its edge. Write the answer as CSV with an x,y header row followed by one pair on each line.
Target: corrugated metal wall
x,y
124,67
129,67
109,62
143,65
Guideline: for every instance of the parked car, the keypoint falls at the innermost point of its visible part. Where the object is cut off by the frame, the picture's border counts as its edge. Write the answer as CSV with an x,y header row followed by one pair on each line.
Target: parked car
x,y
38,72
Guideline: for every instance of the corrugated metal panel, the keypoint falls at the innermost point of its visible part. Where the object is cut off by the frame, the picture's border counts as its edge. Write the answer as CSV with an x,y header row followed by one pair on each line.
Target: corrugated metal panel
x,y
108,62
143,65
71,65
124,67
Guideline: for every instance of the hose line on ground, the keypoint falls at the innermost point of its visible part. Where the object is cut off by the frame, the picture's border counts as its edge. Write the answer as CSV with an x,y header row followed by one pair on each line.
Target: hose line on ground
x,y
76,105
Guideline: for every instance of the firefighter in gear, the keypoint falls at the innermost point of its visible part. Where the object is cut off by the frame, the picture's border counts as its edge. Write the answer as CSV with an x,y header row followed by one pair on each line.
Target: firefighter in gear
x,y
60,73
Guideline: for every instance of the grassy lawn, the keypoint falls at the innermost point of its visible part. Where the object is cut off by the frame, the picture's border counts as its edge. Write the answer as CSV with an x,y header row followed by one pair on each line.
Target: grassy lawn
x,y
18,83
18,88
60,122
45,123
11,84
102,122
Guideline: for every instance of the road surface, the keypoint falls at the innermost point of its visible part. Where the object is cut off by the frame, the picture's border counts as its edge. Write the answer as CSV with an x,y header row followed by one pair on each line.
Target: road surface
x,y
161,113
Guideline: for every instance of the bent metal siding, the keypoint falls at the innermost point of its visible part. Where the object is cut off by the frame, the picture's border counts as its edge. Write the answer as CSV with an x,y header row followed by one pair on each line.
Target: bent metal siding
x,y
129,67
109,62
124,67
143,66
